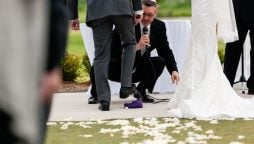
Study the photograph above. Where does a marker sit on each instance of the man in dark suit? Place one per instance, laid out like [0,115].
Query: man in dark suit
[101,16]
[245,22]
[146,69]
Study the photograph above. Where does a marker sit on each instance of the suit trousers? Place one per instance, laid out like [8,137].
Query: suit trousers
[153,67]
[102,34]
[234,50]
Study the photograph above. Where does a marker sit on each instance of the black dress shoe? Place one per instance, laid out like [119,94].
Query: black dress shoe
[147,99]
[126,91]
[104,106]
[92,100]
[251,92]
[137,95]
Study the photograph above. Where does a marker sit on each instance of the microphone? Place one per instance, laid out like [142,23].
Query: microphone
[145,30]
[145,33]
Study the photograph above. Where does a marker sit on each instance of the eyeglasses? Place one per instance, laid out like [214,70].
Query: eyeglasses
[149,15]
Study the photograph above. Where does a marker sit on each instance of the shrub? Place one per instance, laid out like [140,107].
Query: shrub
[70,67]
[86,63]
[221,51]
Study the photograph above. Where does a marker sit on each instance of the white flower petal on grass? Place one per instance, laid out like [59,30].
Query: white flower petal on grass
[213,122]
[69,123]
[235,142]
[161,126]
[64,127]
[214,137]
[83,125]
[86,136]
[204,119]
[191,124]
[198,128]
[176,131]
[248,119]
[173,120]
[90,122]
[99,121]
[51,123]
[138,120]
[125,136]
[124,143]
[111,134]
[118,122]
[181,128]
[209,132]
[192,140]
[103,130]
[151,122]
[227,118]
[155,142]
[180,142]
[240,137]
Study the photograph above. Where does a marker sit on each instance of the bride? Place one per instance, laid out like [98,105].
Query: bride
[204,91]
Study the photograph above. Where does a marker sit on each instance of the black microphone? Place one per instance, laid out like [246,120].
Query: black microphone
[145,30]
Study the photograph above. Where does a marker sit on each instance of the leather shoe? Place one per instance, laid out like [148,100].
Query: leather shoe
[92,100]
[251,92]
[147,99]
[126,91]
[104,106]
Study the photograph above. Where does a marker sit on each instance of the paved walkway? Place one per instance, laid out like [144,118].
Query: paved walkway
[74,107]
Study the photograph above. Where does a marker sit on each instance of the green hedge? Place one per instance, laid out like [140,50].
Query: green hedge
[74,66]
[70,67]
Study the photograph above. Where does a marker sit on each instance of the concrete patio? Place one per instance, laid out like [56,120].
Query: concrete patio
[74,107]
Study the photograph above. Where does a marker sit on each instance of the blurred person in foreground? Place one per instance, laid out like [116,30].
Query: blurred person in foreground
[57,39]
[102,15]
[23,27]
[150,35]
[26,84]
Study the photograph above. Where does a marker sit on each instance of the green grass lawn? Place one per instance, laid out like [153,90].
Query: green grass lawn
[75,43]
[140,130]
[174,8]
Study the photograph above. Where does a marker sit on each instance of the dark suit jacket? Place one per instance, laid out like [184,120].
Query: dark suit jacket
[244,10]
[102,8]
[158,41]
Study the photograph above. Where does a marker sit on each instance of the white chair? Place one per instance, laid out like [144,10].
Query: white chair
[178,32]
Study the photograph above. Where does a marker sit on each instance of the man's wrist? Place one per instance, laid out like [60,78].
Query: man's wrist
[139,12]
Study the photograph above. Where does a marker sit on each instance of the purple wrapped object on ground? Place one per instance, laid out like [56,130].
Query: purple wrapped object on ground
[134,104]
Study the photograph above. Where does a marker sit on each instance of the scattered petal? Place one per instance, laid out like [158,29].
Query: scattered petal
[51,123]
[235,142]
[86,136]
[240,137]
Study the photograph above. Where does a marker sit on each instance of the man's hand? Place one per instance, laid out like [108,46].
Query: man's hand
[137,18]
[50,84]
[143,42]
[175,77]
[74,24]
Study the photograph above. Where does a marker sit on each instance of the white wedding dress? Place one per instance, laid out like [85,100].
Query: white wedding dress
[204,91]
